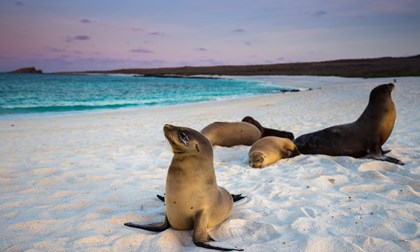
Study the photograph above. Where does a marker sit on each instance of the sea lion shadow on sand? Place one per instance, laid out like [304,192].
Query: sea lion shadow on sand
[193,200]
[361,138]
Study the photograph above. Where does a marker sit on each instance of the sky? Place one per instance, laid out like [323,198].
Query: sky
[78,35]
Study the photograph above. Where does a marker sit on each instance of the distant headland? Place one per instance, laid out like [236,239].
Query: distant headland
[27,70]
[365,68]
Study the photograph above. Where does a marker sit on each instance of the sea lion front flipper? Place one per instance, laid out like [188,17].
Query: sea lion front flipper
[155,227]
[387,159]
[393,160]
[377,154]
[237,197]
[201,236]
[162,198]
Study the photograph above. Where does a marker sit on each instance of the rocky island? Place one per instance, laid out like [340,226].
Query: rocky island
[27,70]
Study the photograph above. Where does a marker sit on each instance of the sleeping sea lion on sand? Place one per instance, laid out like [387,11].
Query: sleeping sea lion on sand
[230,134]
[269,150]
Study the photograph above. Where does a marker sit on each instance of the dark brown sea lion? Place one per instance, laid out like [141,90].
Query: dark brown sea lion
[362,138]
[267,131]
[193,200]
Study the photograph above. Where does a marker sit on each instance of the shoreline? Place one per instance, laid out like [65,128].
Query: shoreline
[293,83]
[362,68]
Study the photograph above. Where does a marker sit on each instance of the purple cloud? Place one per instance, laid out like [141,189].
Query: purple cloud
[78,37]
[155,34]
[239,30]
[19,3]
[86,21]
[320,13]
[201,49]
[248,43]
[137,29]
[141,50]
[56,50]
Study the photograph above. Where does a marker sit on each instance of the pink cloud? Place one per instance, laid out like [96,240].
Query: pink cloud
[141,50]
[78,37]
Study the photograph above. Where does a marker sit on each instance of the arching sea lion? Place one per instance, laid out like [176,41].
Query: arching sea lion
[269,150]
[230,134]
[267,131]
[364,137]
[193,199]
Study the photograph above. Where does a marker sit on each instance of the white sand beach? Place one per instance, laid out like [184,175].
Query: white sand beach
[69,183]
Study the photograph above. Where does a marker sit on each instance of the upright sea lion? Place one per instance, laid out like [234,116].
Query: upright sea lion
[193,199]
[229,134]
[364,137]
[267,131]
[269,150]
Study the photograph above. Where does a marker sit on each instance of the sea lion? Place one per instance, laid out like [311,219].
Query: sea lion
[229,134]
[269,150]
[363,137]
[267,131]
[193,200]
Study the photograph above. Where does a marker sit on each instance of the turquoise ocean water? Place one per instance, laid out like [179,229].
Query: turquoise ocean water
[29,94]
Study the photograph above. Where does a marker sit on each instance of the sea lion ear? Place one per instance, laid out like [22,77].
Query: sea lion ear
[197,148]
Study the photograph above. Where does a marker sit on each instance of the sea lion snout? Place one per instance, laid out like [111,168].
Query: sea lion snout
[168,128]
[256,160]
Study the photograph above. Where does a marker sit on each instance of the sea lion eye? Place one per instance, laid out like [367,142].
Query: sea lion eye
[183,137]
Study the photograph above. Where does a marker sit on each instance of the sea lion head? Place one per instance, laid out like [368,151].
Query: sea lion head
[383,90]
[186,140]
[249,119]
[256,159]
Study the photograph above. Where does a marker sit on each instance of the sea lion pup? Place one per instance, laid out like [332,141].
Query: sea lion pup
[269,150]
[267,131]
[229,134]
[192,198]
[364,137]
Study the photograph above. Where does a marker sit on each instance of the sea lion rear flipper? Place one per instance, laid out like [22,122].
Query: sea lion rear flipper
[155,227]
[201,236]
